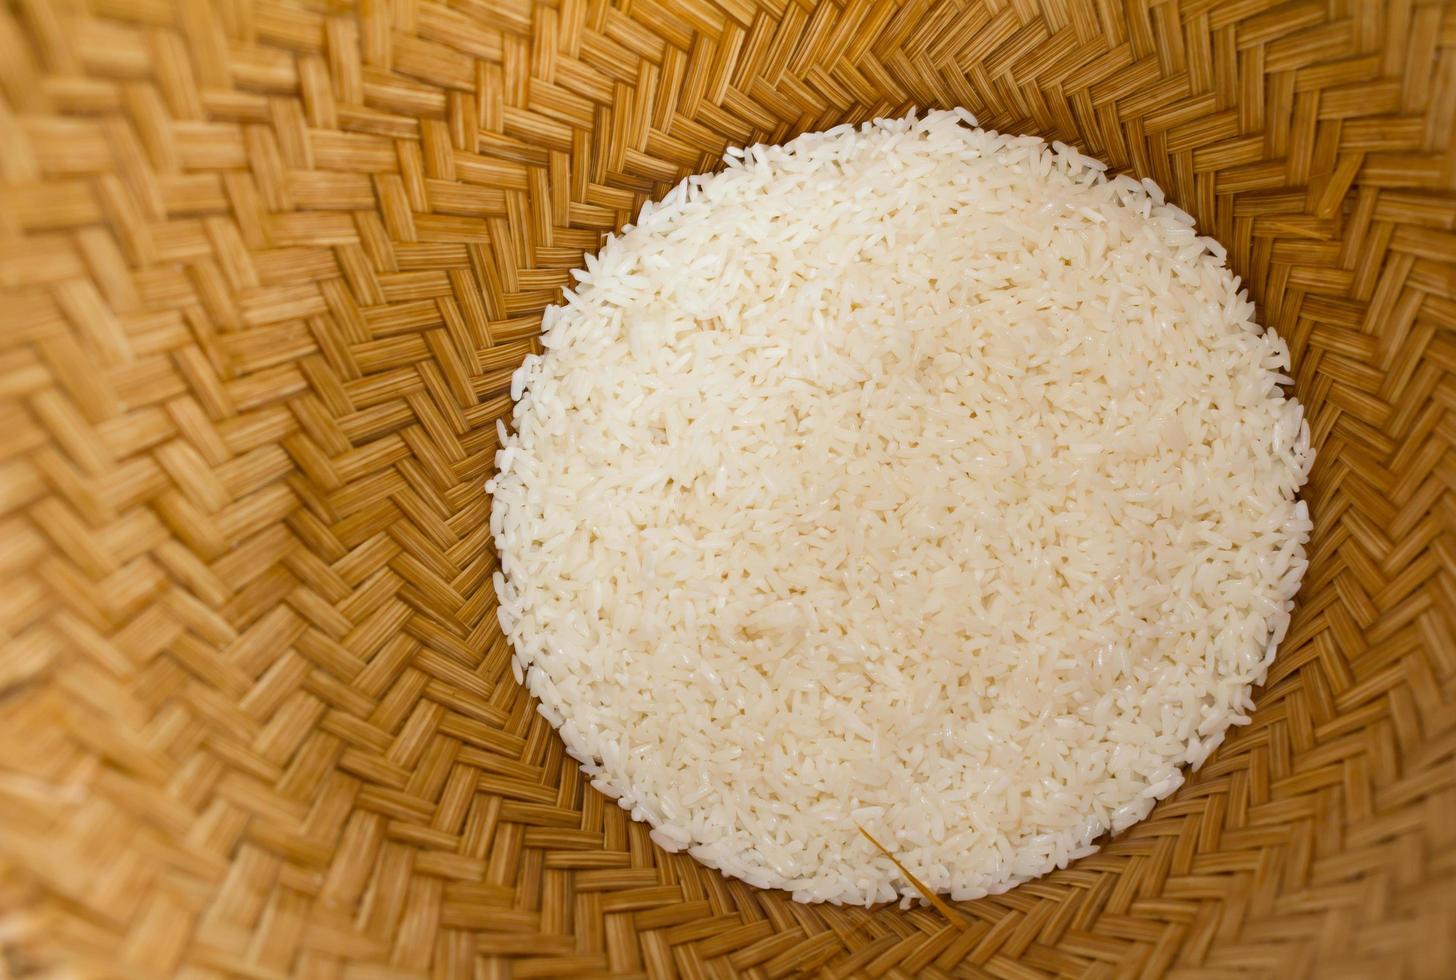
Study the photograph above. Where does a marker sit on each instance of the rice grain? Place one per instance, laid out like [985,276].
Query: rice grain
[911,476]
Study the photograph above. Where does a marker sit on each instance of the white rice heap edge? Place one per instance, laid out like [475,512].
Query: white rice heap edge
[910,476]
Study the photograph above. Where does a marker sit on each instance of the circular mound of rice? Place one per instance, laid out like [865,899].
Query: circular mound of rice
[911,477]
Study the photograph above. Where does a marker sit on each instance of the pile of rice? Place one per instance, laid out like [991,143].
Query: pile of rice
[914,477]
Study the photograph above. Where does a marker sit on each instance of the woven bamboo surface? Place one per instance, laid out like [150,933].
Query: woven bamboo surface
[266,270]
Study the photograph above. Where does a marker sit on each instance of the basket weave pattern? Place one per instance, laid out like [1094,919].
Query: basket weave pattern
[266,270]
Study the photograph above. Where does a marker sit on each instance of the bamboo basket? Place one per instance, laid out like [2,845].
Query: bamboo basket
[266,270]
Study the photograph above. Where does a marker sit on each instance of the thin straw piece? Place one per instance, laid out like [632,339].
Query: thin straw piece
[940,904]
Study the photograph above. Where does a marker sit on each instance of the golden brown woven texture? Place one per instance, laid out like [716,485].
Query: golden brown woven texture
[267,269]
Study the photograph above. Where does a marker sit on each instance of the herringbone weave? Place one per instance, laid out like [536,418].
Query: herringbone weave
[267,267]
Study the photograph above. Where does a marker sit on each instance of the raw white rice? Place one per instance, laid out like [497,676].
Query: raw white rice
[912,476]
